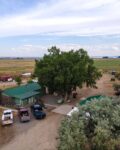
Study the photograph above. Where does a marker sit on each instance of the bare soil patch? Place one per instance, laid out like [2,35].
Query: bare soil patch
[104,87]
[36,134]
[41,136]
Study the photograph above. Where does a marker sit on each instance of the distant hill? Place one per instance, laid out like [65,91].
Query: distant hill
[105,57]
[12,58]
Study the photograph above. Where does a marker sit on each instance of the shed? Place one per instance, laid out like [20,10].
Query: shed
[24,94]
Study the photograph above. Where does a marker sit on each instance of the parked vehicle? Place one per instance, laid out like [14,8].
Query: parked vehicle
[24,114]
[7,117]
[37,111]
[6,78]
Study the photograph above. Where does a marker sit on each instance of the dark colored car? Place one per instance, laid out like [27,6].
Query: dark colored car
[37,111]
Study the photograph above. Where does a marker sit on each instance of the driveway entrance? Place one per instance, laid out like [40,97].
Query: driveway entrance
[63,109]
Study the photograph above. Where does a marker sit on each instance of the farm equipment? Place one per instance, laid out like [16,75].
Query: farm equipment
[7,117]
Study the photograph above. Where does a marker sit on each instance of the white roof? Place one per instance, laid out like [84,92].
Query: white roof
[35,80]
[75,109]
[8,111]
[26,74]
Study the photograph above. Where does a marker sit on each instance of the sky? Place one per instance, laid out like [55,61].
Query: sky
[29,27]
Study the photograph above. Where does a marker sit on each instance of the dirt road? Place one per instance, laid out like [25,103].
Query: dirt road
[41,136]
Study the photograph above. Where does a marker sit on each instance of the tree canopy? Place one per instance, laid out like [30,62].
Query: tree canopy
[18,80]
[64,71]
[100,130]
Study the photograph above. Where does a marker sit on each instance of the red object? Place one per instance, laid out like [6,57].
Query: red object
[4,78]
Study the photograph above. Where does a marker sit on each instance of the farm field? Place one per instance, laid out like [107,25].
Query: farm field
[15,67]
[107,64]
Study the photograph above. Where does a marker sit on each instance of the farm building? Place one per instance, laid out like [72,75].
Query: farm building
[24,94]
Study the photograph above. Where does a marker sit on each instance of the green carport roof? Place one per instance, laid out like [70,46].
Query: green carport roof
[26,95]
[91,98]
[22,90]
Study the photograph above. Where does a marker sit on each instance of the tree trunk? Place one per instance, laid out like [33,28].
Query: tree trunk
[0,96]
[67,96]
[74,92]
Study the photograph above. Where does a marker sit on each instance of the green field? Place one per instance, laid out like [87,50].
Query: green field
[107,64]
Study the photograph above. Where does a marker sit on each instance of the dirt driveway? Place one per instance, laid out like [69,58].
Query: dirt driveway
[37,134]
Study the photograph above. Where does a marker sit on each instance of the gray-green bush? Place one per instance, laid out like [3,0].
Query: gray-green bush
[99,131]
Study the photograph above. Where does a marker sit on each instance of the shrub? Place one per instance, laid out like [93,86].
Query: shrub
[98,131]
[117,75]
[18,80]
[116,87]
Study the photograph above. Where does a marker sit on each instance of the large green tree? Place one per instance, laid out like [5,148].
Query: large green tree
[64,71]
[100,130]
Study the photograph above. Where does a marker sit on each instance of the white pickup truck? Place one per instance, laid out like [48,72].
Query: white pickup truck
[7,117]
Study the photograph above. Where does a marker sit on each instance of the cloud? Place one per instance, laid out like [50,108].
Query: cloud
[65,17]
[70,24]
[28,50]
[93,50]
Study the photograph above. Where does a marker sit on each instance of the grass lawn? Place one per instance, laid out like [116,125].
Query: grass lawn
[107,64]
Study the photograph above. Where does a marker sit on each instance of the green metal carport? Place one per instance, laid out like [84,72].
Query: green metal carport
[91,98]
[24,94]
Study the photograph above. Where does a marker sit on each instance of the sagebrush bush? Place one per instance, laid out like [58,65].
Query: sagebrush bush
[99,131]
